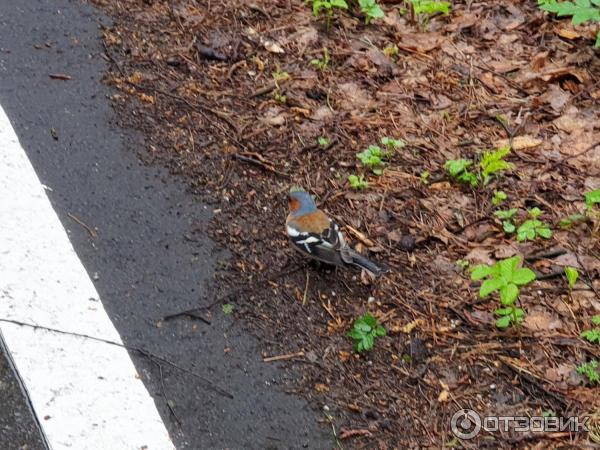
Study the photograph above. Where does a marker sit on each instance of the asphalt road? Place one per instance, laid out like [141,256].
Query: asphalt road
[142,260]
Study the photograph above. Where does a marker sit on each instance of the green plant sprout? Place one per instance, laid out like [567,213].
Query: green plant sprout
[499,197]
[533,227]
[505,277]
[580,10]
[371,10]
[322,63]
[279,98]
[567,222]
[372,158]
[572,276]
[493,163]
[391,50]
[328,6]
[593,197]
[364,332]
[462,263]
[280,75]
[392,144]
[430,7]
[424,177]
[323,141]
[459,170]
[592,335]
[227,308]
[506,216]
[358,182]
[590,370]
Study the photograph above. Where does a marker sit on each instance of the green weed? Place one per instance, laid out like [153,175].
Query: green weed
[573,219]
[430,7]
[364,332]
[506,216]
[580,10]
[590,370]
[499,197]
[533,227]
[358,182]
[505,277]
[372,158]
[322,63]
[323,141]
[572,275]
[328,6]
[491,164]
[592,198]
[391,143]
[459,170]
[371,10]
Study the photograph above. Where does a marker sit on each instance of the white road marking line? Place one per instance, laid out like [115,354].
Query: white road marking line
[86,394]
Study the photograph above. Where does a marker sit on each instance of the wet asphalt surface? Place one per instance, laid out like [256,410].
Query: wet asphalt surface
[150,256]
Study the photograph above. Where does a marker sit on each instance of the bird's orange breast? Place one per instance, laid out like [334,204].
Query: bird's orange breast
[314,222]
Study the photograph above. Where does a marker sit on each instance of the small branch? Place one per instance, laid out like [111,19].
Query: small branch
[151,356]
[162,384]
[576,155]
[283,357]
[80,222]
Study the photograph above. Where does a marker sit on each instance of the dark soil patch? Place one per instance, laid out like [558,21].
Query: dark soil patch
[206,81]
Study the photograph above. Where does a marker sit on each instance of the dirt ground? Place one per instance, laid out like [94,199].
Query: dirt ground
[228,97]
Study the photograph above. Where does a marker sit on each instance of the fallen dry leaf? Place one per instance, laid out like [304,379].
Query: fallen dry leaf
[520,142]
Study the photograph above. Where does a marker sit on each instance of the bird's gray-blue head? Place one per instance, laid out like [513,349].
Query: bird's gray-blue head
[300,202]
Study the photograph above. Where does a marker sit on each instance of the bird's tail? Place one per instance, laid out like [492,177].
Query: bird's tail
[365,263]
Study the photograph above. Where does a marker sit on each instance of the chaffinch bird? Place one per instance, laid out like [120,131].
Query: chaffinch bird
[316,235]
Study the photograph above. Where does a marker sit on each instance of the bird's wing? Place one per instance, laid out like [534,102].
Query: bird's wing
[324,246]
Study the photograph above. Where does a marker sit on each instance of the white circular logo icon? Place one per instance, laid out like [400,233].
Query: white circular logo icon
[466,424]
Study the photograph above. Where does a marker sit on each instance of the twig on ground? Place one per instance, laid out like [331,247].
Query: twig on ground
[142,351]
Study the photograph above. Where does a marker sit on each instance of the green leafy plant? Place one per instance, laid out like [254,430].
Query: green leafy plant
[459,170]
[572,276]
[592,335]
[280,75]
[391,50]
[590,370]
[391,143]
[372,158]
[279,97]
[371,10]
[328,6]
[505,277]
[499,197]
[430,7]
[323,141]
[506,216]
[573,219]
[492,163]
[227,308]
[322,63]
[592,198]
[533,227]
[580,10]
[425,177]
[364,332]
[358,182]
